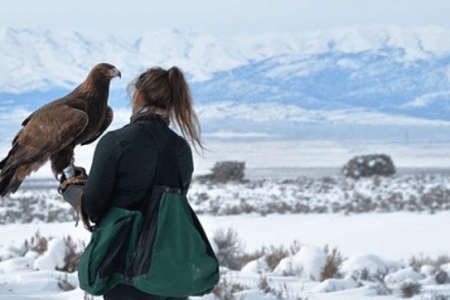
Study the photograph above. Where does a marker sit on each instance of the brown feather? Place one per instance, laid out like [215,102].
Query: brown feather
[55,129]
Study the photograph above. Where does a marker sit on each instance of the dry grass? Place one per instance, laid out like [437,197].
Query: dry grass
[73,254]
[226,291]
[334,261]
[229,247]
[273,255]
[410,289]
[417,262]
[37,243]
[65,285]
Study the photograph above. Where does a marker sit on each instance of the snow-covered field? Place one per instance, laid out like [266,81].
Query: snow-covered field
[377,225]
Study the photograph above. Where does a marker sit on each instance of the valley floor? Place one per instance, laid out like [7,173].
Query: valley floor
[393,238]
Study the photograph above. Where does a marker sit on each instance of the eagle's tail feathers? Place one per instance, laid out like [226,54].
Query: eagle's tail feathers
[9,183]
[3,163]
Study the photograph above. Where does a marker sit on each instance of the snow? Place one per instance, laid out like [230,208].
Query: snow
[53,258]
[256,266]
[392,236]
[293,154]
[380,243]
[374,265]
[333,285]
[41,59]
[307,263]
[400,276]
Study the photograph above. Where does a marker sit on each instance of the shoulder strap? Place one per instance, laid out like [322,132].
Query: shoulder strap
[167,179]
[170,175]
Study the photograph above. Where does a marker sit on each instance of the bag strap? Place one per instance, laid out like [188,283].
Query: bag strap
[165,153]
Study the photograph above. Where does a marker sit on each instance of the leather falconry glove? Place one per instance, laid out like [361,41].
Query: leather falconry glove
[72,189]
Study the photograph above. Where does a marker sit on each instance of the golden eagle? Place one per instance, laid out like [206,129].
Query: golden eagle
[53,130]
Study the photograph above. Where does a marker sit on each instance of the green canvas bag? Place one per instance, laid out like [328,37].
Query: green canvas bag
[161,249]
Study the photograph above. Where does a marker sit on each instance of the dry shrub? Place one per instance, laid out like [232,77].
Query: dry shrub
[410,289]
[369,165]
[241,260]
[264,286]
[225,291]
[229,247]
[87,296]
[441,277]
[417,262]
[273,255]
[37,244]
[73,255]
[334,261]
[228,170]
[225,171]
[65,285]
[440,297]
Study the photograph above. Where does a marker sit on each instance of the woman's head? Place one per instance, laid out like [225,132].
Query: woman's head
[166,93]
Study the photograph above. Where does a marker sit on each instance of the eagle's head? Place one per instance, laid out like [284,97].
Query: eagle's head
[107,71]
[100,77]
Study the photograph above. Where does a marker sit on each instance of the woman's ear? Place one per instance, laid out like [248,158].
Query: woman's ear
[137,99]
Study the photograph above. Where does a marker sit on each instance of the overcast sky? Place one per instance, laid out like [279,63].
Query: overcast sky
[223,16]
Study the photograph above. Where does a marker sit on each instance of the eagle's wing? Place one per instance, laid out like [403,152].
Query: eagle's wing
[106,122]
[49,130]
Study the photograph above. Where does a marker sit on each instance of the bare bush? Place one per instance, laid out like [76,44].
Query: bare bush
[273,255]
[65,285]
[441,277]
[225,171]
[369,165]
[226,291]
[37,243]
[439,297]
[334,261]
[417,262]
[264,286]
[73,255]
[229,247]
[230,252]
[410,289]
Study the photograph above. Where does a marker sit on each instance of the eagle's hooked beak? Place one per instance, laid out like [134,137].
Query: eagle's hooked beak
[116,73]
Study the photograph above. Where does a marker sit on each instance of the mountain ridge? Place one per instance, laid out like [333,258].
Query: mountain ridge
[43,59]
[373,76]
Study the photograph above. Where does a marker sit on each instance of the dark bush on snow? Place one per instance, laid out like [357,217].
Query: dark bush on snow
[410,289]
[369,165]
[225,171]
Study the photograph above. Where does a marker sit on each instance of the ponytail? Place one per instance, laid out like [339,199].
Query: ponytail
[182,112]
[167,94]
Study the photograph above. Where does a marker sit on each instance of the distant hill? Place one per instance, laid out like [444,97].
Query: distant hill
[375,76]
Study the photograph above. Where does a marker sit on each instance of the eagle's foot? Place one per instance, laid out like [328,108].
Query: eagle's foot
[80,178]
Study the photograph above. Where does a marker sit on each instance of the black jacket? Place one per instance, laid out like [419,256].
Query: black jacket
[124,165]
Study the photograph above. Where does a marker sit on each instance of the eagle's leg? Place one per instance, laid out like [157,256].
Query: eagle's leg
[61,160]
[79,178]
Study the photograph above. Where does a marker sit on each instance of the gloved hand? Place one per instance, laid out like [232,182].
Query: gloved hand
[73,194]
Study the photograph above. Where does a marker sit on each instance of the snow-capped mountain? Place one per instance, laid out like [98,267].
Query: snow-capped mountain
[375,75]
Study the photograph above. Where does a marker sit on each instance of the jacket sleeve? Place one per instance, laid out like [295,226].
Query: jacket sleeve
[102,176]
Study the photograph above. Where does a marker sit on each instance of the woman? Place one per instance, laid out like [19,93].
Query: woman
[126,161]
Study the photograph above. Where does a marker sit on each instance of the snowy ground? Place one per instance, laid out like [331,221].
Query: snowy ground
[377,225]
[378,242]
